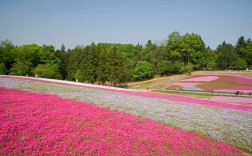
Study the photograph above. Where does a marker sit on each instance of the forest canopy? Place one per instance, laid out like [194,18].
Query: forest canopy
[115,64]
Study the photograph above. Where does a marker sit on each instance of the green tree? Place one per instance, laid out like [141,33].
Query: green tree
[188,68]
[62,55]
[150,45]
[241,43]
[48,71]
[103,65]
[118,72]
[91,64]
[49,64]
[161,56]
[28,53]
[26,59]
[240,64]
[139,53]
[174,44]
[63,48]
[247,53]
[177,67]
[165,67]
[143,70]
[21,68]
[192,49]
[78,75]
[3,69]
[209,60]
[248,41]
[74,62]
[226,56]
[149,56]
[47,55]
[7,56]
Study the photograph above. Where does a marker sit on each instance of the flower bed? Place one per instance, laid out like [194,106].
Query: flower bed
[234,89]
[201,78]
[238,100]
[218,83]
[186,84]
[189,86]
[42,124]
[176,98]
[241,91]
[243,79]
[228,125]
[247,88]
[186,100]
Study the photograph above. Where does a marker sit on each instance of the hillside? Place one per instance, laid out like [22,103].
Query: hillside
[219,121]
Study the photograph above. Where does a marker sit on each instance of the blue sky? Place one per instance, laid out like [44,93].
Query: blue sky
[80,22]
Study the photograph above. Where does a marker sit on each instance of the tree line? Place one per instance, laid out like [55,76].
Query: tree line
[115,64]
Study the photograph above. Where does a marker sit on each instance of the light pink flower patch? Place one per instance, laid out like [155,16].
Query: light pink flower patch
[232,99]
[202,79]
[41,124]
[187,84]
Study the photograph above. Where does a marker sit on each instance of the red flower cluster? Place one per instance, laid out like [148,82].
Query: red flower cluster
[38,124]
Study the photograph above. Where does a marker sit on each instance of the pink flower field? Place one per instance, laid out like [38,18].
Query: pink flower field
[42,124]
[179,98]
[243,79]
[238,100]
[234,90]
[243,89]
[187,84]
[169,97]
[202,79]
[218,83]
